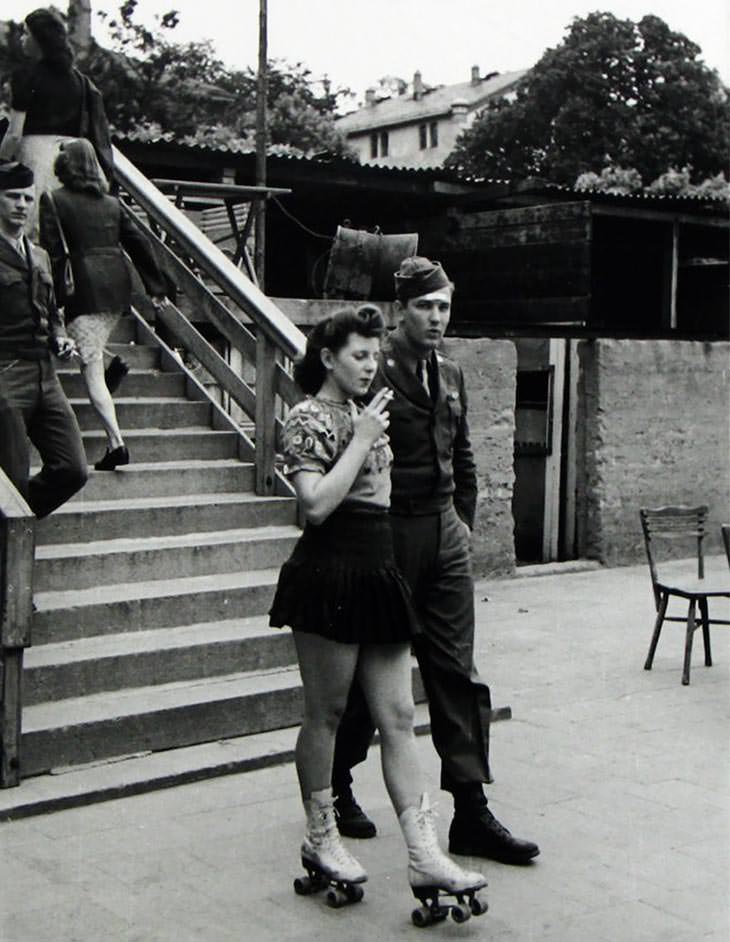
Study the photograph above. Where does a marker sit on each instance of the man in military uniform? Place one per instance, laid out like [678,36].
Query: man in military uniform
[33,407]
[433,505]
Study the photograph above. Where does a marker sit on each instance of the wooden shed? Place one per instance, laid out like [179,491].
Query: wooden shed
[627,266]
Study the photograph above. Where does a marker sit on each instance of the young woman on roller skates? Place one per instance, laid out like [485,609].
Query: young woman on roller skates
[349,608]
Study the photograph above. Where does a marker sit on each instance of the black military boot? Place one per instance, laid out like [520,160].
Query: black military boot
[477,833]
[351,819]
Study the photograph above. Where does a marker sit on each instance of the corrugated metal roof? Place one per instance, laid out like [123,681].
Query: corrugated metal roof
[437,101]
[535,187]
[642,197]
[281,152]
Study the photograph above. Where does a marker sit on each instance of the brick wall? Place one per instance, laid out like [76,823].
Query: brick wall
[652,430]
[490,369]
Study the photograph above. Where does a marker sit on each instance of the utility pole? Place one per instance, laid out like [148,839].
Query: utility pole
[261,90]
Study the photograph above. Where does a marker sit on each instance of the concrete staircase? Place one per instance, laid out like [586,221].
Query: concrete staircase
[152,585]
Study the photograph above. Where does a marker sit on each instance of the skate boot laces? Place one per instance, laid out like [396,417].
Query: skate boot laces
[429,865]
[324,847]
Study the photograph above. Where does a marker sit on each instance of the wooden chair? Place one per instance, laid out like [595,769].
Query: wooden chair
[673,523]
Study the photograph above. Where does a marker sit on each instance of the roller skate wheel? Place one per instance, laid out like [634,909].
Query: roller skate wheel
[355,892]
[335,897]
[460,913]
[421,917]
[303,886]
[478,906]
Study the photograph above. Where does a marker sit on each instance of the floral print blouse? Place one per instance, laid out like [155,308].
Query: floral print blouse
[316,432]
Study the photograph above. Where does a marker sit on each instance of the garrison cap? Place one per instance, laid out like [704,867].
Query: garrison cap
[417,276]
[14,176]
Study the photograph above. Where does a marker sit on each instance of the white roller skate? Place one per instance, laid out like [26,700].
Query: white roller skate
[329,864]
[432,874]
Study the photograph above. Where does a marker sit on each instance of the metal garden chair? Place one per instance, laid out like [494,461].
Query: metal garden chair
[681,523]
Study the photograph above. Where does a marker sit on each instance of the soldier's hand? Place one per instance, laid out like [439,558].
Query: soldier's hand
[466,528]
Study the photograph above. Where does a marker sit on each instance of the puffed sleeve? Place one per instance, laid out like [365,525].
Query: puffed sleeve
[309,441]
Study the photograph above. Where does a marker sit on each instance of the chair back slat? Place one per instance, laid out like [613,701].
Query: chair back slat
[673,523]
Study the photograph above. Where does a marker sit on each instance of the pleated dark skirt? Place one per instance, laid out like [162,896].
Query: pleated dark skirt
[341,582]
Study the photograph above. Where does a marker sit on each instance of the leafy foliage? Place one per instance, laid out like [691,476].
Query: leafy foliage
[616,180]
[673,182]
[613,92]
[154,86]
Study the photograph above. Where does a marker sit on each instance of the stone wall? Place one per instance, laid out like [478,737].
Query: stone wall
[652,430]
[490,370]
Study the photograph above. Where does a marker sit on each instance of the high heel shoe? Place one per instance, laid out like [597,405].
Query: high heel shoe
[112,458]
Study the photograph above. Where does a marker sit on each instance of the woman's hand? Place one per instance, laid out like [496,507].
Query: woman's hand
[370,424]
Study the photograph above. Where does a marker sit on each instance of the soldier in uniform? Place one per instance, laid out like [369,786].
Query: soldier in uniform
[33,407]
[433,503]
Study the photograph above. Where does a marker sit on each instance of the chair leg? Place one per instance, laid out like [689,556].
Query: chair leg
[661,611]
[688,642]
[705,615]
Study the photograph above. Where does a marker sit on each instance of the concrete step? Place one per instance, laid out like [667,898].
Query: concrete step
[163,444]
[125,330]
[85,666]
[164,716]
[162,516]
[137,356]
[137,383]
[162,478]
[159,603]
[150,413]
[61,566]
[141,773]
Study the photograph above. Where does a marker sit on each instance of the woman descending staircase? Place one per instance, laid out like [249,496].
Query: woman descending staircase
[151,588]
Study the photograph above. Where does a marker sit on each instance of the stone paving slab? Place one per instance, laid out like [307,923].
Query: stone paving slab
[620,774]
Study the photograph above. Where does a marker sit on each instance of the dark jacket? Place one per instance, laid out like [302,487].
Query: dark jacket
[29,317]
[62,102]
[433,461]
[96,229]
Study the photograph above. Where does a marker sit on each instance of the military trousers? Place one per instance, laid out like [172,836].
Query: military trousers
[433,553]
[34,409]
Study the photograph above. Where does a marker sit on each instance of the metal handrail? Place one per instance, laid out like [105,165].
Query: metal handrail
[17,545]
[276,336]
[217,266]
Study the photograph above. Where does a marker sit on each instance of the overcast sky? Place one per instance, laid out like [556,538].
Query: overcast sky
[357,41]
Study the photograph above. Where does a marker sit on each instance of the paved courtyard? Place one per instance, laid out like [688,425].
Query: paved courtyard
[621,775]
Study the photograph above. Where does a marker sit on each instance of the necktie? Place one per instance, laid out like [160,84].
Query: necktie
[422,375]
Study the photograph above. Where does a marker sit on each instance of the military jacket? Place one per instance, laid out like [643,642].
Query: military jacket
[433,461]
[29,316]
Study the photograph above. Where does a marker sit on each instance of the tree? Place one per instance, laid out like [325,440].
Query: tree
[154,86]
[613,92]
[185,89]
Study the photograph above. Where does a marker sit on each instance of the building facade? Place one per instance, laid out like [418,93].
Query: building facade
[419,126]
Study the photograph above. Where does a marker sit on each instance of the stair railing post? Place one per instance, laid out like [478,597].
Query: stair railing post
[266,361]
[17,544]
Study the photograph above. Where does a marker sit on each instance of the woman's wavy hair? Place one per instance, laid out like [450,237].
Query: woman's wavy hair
[78,168]
[49,31]
[332,334]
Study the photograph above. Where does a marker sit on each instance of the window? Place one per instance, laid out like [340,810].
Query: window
[383,143]
[433,130]
[373,146]
[422,142]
